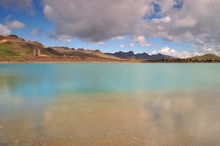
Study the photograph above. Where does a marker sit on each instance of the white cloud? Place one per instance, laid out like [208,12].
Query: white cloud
[16,25]
[187,36]
[48,12]
[64,38]
[36,32]
[122,46]
[119,38]
[60,38]
[154,52]
[131,45]
[185,54]
[165,50]
[18,5]
[96,20]
[211,49]
[202,48]
[4,30]
[162,20]
[52,35]
[172,52]
[187,22]
[98,43]
[141,41]
[199,42]
[197,54]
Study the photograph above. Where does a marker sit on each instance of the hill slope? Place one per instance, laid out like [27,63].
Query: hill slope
[206,56]
[80,52]
[15,46]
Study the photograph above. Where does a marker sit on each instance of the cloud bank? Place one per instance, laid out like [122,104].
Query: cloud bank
[141,41]
[172,20]
[18,5]
[184,20]
[60,38]
[96,20]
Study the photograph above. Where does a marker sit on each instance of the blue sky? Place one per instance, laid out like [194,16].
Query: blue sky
[172,27]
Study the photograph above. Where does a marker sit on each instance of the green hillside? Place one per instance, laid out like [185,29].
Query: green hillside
[6,50]
[16,46]
[206,56]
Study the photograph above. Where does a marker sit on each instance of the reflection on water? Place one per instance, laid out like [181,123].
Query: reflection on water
[60,105]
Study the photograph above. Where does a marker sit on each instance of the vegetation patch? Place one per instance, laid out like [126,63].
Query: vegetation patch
[206,56]
[7,51]
[12,58]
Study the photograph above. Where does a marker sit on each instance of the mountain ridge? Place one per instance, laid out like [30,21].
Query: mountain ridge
[139,56]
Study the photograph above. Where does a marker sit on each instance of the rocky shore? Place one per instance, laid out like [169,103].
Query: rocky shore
[178,60]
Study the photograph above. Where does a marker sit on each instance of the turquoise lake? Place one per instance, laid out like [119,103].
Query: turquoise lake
[110,104]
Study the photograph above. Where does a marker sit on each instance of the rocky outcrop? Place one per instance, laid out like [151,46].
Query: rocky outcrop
[16,37]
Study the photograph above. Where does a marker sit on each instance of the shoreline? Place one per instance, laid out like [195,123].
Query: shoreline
[87,60]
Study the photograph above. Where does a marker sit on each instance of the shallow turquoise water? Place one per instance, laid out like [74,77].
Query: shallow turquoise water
[51,80]
[156,104]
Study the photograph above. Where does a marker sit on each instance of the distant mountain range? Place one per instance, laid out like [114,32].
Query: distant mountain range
[143,56]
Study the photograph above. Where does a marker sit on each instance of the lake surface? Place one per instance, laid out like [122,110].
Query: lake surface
[110,104]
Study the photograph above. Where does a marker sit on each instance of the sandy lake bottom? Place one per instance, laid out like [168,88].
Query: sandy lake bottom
[109,108]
